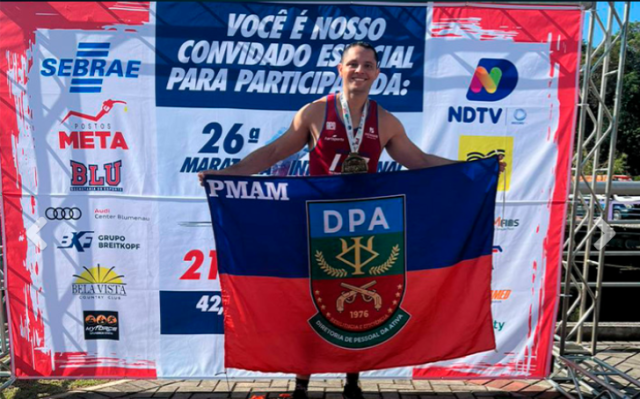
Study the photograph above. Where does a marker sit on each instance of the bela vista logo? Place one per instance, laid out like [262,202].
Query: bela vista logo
[99,282]
[91,65]
[493,80]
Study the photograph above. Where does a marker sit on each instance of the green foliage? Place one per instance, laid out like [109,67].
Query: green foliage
[32,389]
[628,140]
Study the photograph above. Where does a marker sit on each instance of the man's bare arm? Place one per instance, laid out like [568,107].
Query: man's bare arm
[404,151]
[292,141]
[407,154]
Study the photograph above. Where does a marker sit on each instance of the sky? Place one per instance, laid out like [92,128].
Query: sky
[603,10]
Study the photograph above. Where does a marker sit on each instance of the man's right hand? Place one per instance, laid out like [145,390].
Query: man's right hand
[204,173]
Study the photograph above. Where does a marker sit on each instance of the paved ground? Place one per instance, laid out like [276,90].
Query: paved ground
[623,355]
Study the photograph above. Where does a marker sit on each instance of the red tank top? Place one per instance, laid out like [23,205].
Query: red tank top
[332,147]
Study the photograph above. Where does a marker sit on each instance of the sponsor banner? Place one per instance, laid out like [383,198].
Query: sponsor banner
[113,115]
[281,57]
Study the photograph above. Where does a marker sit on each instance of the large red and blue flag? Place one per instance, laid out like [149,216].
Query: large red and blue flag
[355,272]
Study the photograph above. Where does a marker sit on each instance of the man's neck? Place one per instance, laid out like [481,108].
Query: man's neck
[356,103]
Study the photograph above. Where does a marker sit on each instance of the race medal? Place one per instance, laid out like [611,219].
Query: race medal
[354,164]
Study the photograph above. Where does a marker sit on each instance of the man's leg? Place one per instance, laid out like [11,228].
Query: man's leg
[302,384]
[351,388]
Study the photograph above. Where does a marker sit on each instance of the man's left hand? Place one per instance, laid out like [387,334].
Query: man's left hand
[503,165]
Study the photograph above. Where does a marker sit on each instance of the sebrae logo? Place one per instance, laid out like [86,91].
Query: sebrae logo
[90,67]
[91,131]
[357,269]
[472,148]
[99,282]
[493,80]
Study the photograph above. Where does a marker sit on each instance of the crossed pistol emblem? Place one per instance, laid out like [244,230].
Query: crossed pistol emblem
[350,296]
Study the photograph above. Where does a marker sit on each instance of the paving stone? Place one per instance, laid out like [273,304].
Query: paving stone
[209,383]
[515,386]
[333,396]
[316,389]
[168,388]
[404,381]
[191,388]
[409,396]
[422,384]
[498,383]
[368,387]
[469,388]
[478,382]
[390,386]
[280,383]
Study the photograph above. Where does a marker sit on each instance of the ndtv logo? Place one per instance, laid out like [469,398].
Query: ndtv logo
[493,80]
[89,67]
[500,295]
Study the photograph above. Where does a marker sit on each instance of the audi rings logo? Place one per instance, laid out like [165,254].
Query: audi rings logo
[63,213]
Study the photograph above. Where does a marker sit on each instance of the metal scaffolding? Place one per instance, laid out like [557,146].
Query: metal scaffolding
[589,226]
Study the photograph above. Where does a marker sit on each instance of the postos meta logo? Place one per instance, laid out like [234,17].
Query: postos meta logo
[91,65]
[493,80]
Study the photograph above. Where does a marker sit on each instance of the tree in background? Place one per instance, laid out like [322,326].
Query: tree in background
[628,144]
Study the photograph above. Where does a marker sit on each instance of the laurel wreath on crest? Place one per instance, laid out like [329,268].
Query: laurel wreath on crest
[386,265]
[327,268]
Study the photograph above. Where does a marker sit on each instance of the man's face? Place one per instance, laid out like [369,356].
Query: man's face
[358,70]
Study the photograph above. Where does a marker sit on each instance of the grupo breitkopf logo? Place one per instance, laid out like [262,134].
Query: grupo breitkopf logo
[493,80]
[90,67]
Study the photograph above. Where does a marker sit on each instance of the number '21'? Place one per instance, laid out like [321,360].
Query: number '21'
[197,257]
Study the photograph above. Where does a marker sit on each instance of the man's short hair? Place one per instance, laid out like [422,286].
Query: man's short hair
[366,45]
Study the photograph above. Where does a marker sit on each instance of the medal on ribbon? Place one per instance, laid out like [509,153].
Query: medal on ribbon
[355,163]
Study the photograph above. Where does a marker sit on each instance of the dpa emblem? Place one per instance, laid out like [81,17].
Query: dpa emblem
[357,269]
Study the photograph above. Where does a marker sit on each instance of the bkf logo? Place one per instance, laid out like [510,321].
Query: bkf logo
[493,80]
[80,240]
[479,147]
[357,270]
[91,179]
[89,67]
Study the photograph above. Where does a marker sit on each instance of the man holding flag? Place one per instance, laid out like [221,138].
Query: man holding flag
[336,146]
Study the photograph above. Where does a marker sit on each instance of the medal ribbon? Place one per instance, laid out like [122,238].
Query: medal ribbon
[355,139]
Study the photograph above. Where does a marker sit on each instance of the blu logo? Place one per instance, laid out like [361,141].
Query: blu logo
[493,80]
